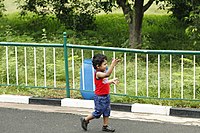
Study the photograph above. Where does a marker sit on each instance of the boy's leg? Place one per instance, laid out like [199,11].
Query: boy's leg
[106,127]
[89,117]
[105,121]
[106,115]
[85,121]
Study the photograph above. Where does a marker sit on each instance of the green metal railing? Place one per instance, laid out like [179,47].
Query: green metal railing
[158,74]
[10,49]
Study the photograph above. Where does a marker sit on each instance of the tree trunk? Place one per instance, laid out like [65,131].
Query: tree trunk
[134,19]
[135,37]
[132,33]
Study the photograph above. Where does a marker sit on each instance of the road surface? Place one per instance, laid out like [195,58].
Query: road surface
[22,118]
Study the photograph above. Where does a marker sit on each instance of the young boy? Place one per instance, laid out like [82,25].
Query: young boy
[102,97]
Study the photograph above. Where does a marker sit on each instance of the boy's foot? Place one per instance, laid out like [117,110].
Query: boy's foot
[84,123]
[108,129]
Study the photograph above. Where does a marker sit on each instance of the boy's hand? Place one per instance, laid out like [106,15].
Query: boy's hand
[115,81]
[115,61]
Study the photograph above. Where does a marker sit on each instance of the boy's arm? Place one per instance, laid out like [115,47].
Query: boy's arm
[110,69]
[113,81]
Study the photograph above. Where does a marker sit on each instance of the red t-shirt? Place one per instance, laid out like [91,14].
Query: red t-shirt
[102,86]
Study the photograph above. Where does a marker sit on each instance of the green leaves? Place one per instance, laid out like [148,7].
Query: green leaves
[2,8]
[75,14]
[193,30]
[188,11]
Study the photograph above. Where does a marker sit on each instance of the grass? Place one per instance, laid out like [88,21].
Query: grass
[159,32]
[33,92]
[188,80]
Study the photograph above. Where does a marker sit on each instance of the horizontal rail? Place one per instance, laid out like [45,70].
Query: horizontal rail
[30,44]
[29,86]
[180,52]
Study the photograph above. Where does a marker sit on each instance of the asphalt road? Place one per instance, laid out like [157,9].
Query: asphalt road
[32,121]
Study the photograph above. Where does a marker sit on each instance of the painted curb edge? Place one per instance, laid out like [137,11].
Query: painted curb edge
[185,112]
[136,107]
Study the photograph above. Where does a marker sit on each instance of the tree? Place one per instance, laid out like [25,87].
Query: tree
[133,11]
[193,30]
[75,14]
[79,14]
[181,8]
[187,11]
[2,7]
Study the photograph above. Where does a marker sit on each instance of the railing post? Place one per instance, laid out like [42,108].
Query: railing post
[66,65]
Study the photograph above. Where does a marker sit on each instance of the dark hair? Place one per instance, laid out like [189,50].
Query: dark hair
[98,59]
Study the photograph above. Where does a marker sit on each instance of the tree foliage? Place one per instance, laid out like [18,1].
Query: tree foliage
[2,8]
[182,8]
[193,29]
[75,14]
[79,14]
[188,11]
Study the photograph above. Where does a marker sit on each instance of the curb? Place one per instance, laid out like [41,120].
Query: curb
[14,99]
[152,109]
[121,107]
[43,101]
[135,108]
[185,112]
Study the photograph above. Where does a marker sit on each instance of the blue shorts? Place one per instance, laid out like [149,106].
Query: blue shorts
[102,106]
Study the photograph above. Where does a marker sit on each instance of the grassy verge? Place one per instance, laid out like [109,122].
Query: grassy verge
[159,32]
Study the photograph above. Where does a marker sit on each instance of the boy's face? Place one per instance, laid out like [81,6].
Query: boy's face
[103,66]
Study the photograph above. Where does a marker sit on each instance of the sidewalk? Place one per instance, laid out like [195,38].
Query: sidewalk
[88,104]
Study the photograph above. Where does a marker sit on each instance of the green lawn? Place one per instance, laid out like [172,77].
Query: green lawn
[159,32]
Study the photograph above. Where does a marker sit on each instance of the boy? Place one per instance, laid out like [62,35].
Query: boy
[102,97]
